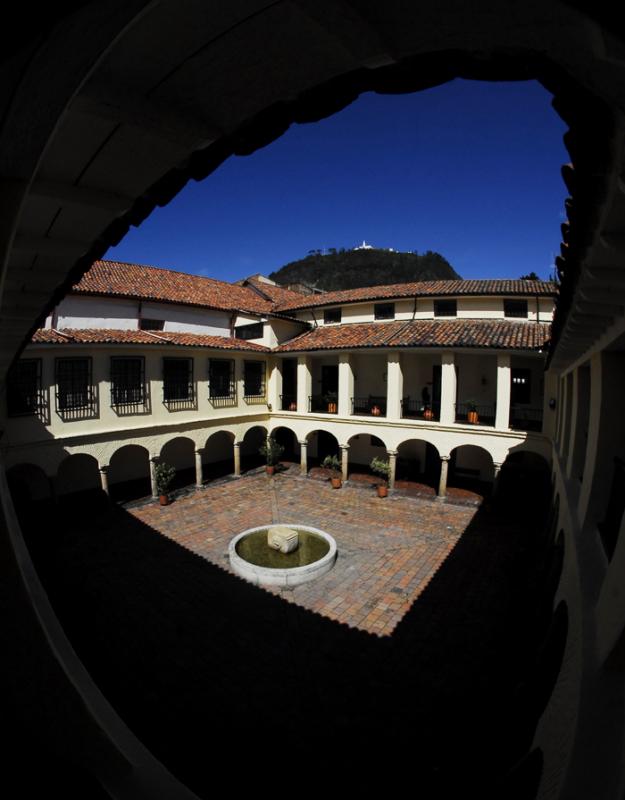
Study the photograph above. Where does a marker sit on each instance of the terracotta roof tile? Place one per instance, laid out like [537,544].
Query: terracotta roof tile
[277,294]
[152,283]
[486,333]
[424,289]
[162,338]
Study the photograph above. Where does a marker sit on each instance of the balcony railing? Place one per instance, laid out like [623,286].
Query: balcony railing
[483,414]
[321,403]
[288,402]
[526,419]
[370,406]
[416,409]
[223,400]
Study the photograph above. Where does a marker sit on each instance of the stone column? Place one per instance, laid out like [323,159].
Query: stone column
[304,457]
[237,459]
[448,389]
[274,366]
[346,385]
[502,415]
[394,386]
[198,468]
[392,462]
[495,488]
[304,383]
[153,462]
[104,479]
[344,461]
[442,484]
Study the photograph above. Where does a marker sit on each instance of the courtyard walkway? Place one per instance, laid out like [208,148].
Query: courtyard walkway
[389,549]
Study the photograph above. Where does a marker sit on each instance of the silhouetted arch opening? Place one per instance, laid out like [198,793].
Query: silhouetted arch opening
[129,473]
[287,438]
[31,492]
[471,473]
[180,454]
[321,444]
[218,456]
[78,481]
[418,468]
[250,446]
[363,447]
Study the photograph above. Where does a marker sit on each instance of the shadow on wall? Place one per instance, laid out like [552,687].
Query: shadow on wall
[211,672]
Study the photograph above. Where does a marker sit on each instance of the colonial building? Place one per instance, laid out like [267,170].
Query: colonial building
[138,364]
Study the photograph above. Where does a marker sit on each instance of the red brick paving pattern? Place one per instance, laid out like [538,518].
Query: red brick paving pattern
[389,549]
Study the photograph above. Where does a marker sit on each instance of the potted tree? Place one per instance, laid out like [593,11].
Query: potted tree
[472,416]
[164,476]
[382,468]
[271,450]
[331,400]
[428,413]
[334,465]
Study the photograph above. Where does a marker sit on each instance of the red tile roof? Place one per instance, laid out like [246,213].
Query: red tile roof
[162,338]
[424,289]
[484,333]
[277,294]
[152,283]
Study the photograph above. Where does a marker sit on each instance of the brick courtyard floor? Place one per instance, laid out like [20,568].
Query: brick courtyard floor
[402,664]
[389,549]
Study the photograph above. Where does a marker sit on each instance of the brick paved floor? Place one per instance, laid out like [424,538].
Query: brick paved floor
[389,549]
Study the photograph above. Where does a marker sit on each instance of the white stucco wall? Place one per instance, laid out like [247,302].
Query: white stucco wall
[97,312]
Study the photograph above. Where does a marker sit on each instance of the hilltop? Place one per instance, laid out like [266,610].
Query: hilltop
[351,269]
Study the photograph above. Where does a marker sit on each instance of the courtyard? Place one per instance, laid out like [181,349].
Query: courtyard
[425,629]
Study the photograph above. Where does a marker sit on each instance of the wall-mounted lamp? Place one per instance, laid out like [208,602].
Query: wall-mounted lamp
[552,403]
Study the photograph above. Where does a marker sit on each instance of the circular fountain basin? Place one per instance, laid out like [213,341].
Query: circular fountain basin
[253,559]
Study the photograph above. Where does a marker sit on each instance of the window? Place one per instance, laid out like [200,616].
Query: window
[24,393]
[331,315]
[253,331]
[75,396]
[128,384]
[445,308]
[151,324]
[178,383]
[254,381]
[521,388]
[515,308]
[221,382]
[384,311]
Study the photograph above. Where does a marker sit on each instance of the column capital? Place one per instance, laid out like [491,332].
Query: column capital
[155,459]
[303,443]
[200,450]
[391,453]
[344,446]
[104,468]
[236,444]
[445,458]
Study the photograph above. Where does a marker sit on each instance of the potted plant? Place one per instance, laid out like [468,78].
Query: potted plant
[271,450]
[332,463]
[472,416]
[428,413]
[382,468]
[331,400]
[293,406]
[376,411]
[164,476]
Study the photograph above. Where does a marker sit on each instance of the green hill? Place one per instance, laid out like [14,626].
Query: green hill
[350,269]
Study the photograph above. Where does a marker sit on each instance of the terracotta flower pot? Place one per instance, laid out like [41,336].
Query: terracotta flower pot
[472,417]
[375,411]
[382,489]
[292,406]
[331,408]
[270,469]
[163,499]
[336,482]
[428,414]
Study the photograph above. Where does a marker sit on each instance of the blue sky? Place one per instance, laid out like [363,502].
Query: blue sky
[469,169]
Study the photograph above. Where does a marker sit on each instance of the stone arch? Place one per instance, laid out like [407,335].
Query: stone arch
[250,443]
[218,455]
[471,469]
[418,466]
[180,454]
[78,475]
[129,473]
[321,443]
[288,439]
[363,447]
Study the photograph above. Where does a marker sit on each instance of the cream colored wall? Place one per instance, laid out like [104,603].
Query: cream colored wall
[361,451]
[417,368]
